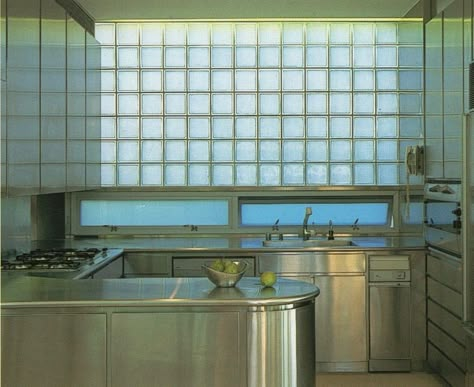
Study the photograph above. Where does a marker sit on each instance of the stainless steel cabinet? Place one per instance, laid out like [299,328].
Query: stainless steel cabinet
[147,264]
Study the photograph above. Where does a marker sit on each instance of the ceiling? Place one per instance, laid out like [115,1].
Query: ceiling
[102,10]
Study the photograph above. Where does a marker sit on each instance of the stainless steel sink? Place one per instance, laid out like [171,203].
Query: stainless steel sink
[300,243]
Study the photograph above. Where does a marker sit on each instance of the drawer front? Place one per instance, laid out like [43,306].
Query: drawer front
[446,321]
[449,347]
[313,263]
[147,264]
[445,367]
[445,296]
[446,271]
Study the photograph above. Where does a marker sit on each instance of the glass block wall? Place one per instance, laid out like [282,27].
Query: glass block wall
[259,103]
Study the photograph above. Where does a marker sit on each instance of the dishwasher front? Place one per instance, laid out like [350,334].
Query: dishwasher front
[389,313]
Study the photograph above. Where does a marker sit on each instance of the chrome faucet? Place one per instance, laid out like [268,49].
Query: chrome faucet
[306,233]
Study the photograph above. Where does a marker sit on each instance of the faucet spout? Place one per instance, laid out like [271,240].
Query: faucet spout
[306,233]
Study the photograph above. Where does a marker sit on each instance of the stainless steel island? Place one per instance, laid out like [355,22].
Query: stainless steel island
[157,332]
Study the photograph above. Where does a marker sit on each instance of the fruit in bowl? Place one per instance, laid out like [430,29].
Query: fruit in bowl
[225,273]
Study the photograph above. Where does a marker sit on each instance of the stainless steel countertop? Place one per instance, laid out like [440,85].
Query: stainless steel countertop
[32,291]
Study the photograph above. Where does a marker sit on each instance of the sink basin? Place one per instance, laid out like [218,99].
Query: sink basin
[300,243]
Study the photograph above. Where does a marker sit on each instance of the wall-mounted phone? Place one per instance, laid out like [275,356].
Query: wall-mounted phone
[415,160]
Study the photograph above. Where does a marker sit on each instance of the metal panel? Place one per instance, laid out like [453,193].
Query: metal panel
[445,367]
[446,270]
[451,349]
[54,350]
[446,321]
[147,264]
[445,297]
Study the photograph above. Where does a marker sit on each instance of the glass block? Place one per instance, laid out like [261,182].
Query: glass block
[222,175]
[127,33]
[222,33]
[269,56]
[293,103]
[363,33]
[269,103]
[293,33]
[245,34]
[293,56]
[316,103]
[107,175]
[293,79]
[411,127]
[317,126]
[246,104]
[340,150]
[152,127]
[198,33]
[387,174]
[340,79]
[387,103]
[199,127]
[151,80]
[270,174]
[245,151]
[127,80]
[411,80]
[387,150]
[293,127]
[175,150]
[222,103]
[363,103]
[339,33]
[340,174]
[363,150]
[175,34]
[175,128]
[364,174]
[246,174]
[317,151]
[386,127]
[316,56]
[152,175]
[152,104]
[127,151]
[268,80]
[269,33]
[363,56]
[316,33]
[198,80]
[386,56]
[105,33]
[386,79]
[410,56]
[386,33]
[107,81]
[221,80]
[151,56]
[222,57]
[199,151]
[269,150]
[363,127]
[198,57]
[151,33]
[317,174]
[316,80]
[152,151]
[293,174]
[222,127]
[269,127]
[245,127]
[411,103]
[245,80]
[107,127]
[199,103]
[339,56]
[222,150]
[128,175]
[127,56]
[410,33]
[175,175]
[364,80]
[175,103]
[246,56]
[199,175]
[127,103]
[175,56]
[128,127]
[340,103]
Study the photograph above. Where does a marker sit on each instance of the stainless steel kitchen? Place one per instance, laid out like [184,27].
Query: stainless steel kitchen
[249,194]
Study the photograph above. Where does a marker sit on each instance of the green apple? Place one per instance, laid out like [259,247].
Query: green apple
[231,268]
[268,278]
[218,265]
